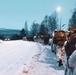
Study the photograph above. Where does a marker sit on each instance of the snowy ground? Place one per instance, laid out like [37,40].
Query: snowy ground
[28,58]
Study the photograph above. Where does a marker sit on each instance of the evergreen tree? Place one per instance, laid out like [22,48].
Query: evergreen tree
[53,22]
[26,28]
[35,29]
[72,21]
[22,33]
[45,23]
[43,30]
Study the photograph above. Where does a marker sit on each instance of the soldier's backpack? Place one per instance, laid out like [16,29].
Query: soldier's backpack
[60,37]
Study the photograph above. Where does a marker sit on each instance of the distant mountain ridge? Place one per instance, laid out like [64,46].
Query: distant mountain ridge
[8,32]
[7,29]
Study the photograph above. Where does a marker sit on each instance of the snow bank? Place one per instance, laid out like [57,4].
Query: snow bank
[44,63]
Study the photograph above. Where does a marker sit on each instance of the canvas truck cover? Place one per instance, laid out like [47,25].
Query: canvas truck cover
[60,37]
[70,46]
[72,29]
[72,32]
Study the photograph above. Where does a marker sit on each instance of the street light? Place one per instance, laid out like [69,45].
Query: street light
[60,10]
[35,28]
[35,22]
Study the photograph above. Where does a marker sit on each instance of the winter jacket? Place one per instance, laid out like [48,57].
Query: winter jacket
[72,62]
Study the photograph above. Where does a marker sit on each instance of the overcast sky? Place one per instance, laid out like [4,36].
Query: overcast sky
[14,13]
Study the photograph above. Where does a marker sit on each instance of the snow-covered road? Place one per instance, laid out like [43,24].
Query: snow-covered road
[28,58]
[13,54]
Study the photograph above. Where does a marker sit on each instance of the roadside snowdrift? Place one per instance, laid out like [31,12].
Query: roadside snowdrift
[44,63]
